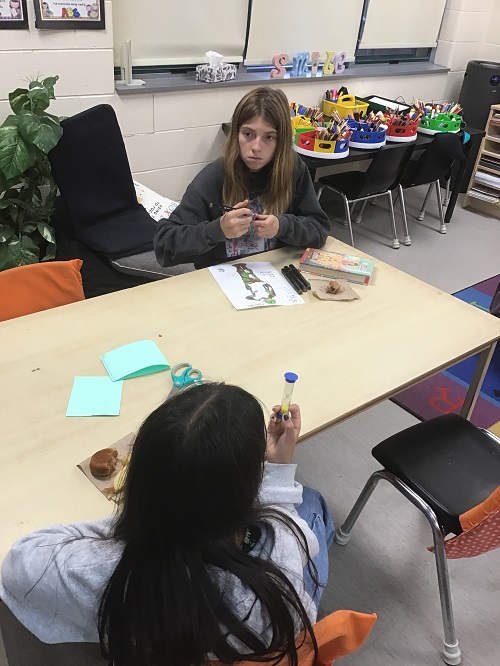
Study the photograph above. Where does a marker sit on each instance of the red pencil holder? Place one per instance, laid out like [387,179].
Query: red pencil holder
[401,133]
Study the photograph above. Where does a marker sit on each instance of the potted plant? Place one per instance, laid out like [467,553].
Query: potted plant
[27,189]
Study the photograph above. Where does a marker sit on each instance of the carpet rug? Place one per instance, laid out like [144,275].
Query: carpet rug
[445,392]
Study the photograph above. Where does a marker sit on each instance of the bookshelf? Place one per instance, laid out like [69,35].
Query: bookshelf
[483,192]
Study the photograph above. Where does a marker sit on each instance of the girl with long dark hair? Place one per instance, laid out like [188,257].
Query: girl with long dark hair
[258,197]
[207,558]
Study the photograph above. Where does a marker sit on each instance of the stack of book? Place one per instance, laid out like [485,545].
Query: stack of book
[338,266]
[484,193]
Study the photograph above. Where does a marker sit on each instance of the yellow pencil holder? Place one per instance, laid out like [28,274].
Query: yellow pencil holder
[346,105]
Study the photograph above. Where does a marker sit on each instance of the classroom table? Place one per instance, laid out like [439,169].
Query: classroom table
[421,142]
[348,355]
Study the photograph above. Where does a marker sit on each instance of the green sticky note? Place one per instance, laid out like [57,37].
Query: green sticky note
[95,396]
[134,360]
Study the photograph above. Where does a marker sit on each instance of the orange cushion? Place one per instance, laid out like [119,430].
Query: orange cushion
[37,287]
[337,635]
[478,513]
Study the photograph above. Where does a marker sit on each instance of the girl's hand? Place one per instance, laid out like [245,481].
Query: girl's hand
[235,223]
[282,435]
[266,226]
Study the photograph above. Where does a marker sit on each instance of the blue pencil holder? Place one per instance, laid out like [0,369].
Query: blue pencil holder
[364,137]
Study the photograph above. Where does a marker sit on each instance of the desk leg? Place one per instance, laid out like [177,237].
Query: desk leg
[477,380]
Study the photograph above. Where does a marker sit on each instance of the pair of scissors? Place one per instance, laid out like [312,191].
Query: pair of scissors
[183,374]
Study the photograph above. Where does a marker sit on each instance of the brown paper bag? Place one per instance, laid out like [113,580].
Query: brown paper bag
[105,486]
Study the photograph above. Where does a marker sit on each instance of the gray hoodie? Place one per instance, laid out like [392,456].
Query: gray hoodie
[52,579]
[193,233]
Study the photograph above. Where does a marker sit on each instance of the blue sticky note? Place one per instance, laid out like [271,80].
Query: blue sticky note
[95,396]
[134,360]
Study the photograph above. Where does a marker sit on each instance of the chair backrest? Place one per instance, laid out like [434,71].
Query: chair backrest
[386,169]
[37,287]
[480,539]
[337,635]
[91,167]
[436,161]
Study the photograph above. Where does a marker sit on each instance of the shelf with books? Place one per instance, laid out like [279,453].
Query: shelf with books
[484,188]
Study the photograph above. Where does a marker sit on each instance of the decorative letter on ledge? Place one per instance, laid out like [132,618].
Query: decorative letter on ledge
[279,60]
[329,66]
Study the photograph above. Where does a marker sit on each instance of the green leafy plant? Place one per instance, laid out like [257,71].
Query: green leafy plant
[27,189]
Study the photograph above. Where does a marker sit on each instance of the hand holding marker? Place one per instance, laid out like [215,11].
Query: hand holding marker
[290,379]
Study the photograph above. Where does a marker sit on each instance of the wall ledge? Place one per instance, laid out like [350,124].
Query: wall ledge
[165,83]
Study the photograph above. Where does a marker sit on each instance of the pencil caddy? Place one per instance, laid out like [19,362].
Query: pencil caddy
[443,122]
[363,136]
[309,144]
[401,133]
[300,124]
[211,74]
[346,105]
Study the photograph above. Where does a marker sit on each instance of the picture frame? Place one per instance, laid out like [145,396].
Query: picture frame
[13,15]
[69,14]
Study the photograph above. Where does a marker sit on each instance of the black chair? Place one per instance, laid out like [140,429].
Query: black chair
[381,178]
[444,466]
[432,166]
[98,209]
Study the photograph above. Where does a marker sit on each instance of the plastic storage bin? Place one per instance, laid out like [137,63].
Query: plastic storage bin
[362,136]
[443,122]
[346,105]
[309,144]
[401,133]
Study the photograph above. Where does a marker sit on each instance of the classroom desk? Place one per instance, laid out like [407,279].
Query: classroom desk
[422,141]
[348,355]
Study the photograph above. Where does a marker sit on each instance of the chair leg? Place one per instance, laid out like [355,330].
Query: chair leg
[451,651]
[343,533]
[442,228]
[395,239]
[407,239]
[348,218]
[421,215]
[320,191]
[447,193]
[361,211]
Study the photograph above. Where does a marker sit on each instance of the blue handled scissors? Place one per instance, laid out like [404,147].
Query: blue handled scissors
[183,374]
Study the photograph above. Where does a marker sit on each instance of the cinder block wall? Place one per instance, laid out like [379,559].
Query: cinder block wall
[171,136]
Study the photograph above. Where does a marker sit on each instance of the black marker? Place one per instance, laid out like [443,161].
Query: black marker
[298,275]
[289,277]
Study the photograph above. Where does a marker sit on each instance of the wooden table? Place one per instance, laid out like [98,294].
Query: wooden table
[348,355]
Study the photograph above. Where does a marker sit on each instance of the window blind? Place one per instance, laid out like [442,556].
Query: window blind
[397,25]
[281,26]
[166,32]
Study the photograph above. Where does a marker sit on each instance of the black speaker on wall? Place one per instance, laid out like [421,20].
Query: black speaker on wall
[480,89]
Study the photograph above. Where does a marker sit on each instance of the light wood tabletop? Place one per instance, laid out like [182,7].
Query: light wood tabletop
[348,355]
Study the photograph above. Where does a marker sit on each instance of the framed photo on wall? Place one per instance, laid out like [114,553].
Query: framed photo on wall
[69,14]
[13,15]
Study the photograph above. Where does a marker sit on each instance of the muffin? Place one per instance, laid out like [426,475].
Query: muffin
[103,463]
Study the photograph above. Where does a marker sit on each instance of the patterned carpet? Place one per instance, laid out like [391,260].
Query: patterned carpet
[445,392]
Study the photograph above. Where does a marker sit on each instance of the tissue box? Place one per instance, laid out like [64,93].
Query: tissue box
[211,74]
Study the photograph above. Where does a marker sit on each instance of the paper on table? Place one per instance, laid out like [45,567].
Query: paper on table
[95,396]
[134,360]
[319,290]
[254,285]
[105,486]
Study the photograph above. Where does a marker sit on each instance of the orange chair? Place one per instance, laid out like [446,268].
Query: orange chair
[337,635]
[37,287]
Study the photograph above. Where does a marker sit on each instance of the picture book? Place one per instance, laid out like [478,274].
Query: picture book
[158,206]
[336,265]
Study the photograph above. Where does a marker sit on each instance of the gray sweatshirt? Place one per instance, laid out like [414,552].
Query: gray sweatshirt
[193,233]
[52,582]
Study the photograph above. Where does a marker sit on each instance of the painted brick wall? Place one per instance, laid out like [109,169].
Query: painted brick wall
[169,136]
[469,32]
